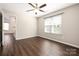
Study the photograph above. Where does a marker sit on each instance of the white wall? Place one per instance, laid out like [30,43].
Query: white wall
[25,26]
[70,26]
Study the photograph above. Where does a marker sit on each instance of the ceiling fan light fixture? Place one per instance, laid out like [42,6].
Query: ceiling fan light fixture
[36,10]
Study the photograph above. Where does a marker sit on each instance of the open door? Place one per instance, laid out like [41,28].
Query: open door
[0,33]
[0,30]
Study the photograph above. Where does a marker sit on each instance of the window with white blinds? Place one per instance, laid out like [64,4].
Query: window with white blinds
[53,24]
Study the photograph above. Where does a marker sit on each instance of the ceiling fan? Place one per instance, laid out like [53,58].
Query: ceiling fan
[36,7]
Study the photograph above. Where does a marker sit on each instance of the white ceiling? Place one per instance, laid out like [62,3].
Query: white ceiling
[22,7]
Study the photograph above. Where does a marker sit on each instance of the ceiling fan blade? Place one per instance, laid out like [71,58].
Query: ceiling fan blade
[31,5]
[41,10]
[36,5]
[42,6]
[29,10]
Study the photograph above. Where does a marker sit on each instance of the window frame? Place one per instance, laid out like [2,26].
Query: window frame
[52,17]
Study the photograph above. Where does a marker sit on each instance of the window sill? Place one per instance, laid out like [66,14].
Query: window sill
[54,33]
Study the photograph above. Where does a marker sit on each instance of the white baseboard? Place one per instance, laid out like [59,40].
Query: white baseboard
[24,38]
[52,40]
[61,42]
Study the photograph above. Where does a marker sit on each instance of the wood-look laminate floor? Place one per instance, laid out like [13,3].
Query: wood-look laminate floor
[38,46]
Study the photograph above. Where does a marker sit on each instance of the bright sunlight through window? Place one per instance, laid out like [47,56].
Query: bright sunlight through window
[53,24]
[5,26]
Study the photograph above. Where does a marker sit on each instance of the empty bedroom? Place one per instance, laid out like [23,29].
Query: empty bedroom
[39,29]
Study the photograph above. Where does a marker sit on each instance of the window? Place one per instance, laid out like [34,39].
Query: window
[5,26]
[53,24]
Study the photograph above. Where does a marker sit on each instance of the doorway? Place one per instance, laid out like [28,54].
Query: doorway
[9,33]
